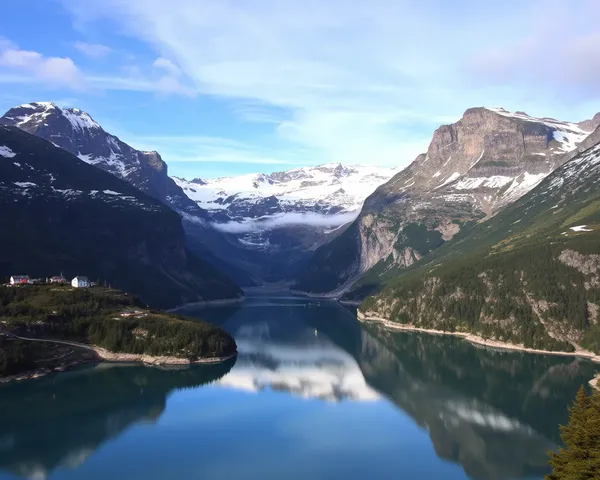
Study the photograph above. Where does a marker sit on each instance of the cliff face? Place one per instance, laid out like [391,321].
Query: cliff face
[61,215]
[527,276]
[472,169]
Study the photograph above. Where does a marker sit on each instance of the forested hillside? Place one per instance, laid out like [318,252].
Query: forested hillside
[530,275]
[60,214]
[95,317]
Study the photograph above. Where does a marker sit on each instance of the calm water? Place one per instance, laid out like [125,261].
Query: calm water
[312,394]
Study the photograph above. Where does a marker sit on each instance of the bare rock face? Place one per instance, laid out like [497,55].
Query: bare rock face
[472,168]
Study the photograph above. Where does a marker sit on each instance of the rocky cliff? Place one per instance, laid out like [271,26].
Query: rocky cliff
[528,276]
[472,169]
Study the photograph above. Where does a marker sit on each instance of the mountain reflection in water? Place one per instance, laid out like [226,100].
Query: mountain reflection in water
[493,413]
[59,421]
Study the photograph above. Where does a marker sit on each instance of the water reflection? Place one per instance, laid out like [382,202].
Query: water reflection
[490,413]
[295,357]
[61,420]
[494,412]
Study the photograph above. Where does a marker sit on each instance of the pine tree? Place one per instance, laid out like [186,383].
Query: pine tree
[580,458]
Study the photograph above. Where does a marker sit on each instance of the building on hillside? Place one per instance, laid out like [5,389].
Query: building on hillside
[80,282]
[19,279]
[58,279]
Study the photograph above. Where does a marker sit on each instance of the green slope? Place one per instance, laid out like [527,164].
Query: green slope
[530,275]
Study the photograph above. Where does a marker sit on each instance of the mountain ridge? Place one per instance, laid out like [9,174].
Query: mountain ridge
[62,214]
[472,169]
[528,276]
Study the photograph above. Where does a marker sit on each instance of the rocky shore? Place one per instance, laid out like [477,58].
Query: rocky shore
[476,339]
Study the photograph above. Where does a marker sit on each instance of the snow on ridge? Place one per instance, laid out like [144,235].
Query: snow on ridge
[79,119]
[35,105]
[6,152]
[306,186]
[450,179]
[495,181]
[581,228]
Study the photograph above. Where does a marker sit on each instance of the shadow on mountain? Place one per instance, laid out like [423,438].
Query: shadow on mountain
[494,412]
[60,421]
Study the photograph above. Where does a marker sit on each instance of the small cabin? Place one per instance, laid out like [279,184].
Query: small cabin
[80,282]
[19,279]
[58,279]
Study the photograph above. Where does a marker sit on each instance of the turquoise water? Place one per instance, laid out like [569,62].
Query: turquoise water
[312,394]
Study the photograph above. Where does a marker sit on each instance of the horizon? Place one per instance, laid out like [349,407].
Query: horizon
[261,87]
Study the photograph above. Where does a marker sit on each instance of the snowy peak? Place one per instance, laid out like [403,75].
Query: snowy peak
[328,189]
[39,114]
[491,157]
[77,132]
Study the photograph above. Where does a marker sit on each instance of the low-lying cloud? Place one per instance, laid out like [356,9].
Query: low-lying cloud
[287,219]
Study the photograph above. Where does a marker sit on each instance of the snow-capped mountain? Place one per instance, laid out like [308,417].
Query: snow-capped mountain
[78,133]
[328,189]
[61,214]
[296,208]
[472,169]
[284,353]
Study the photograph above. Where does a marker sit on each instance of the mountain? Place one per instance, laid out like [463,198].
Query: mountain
[60,214]
[78,133]
[528,276]
[284,216]
[472,169]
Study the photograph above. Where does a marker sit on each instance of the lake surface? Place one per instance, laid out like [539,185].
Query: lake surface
[312,394]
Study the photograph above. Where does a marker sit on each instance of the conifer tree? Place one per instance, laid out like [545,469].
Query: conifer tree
[580,457]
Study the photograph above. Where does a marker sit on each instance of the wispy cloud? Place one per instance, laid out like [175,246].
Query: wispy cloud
[94,50]
[370,81]
[205,149]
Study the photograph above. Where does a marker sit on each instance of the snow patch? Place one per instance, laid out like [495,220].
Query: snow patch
[581,228]
[25,184]
[7,152]
[450,179]
[79,120]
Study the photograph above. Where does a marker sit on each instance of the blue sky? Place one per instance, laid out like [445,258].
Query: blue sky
[221,87]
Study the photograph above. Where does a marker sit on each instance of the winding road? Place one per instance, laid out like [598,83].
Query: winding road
[63,342]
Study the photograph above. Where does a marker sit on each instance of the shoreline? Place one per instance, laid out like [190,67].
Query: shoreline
[595,382]
[477,340]
[149,360]
[107,357]
[207,303]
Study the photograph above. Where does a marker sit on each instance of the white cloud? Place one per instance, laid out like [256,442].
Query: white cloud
[94,50]
[167,65]
[52,71]
[368,83]
[286,219]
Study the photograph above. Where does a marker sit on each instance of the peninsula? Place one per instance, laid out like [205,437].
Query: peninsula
[45,328]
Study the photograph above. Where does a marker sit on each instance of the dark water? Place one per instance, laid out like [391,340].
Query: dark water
[312,394]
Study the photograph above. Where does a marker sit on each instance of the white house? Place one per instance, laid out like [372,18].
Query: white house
[80,282]
[19,279]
